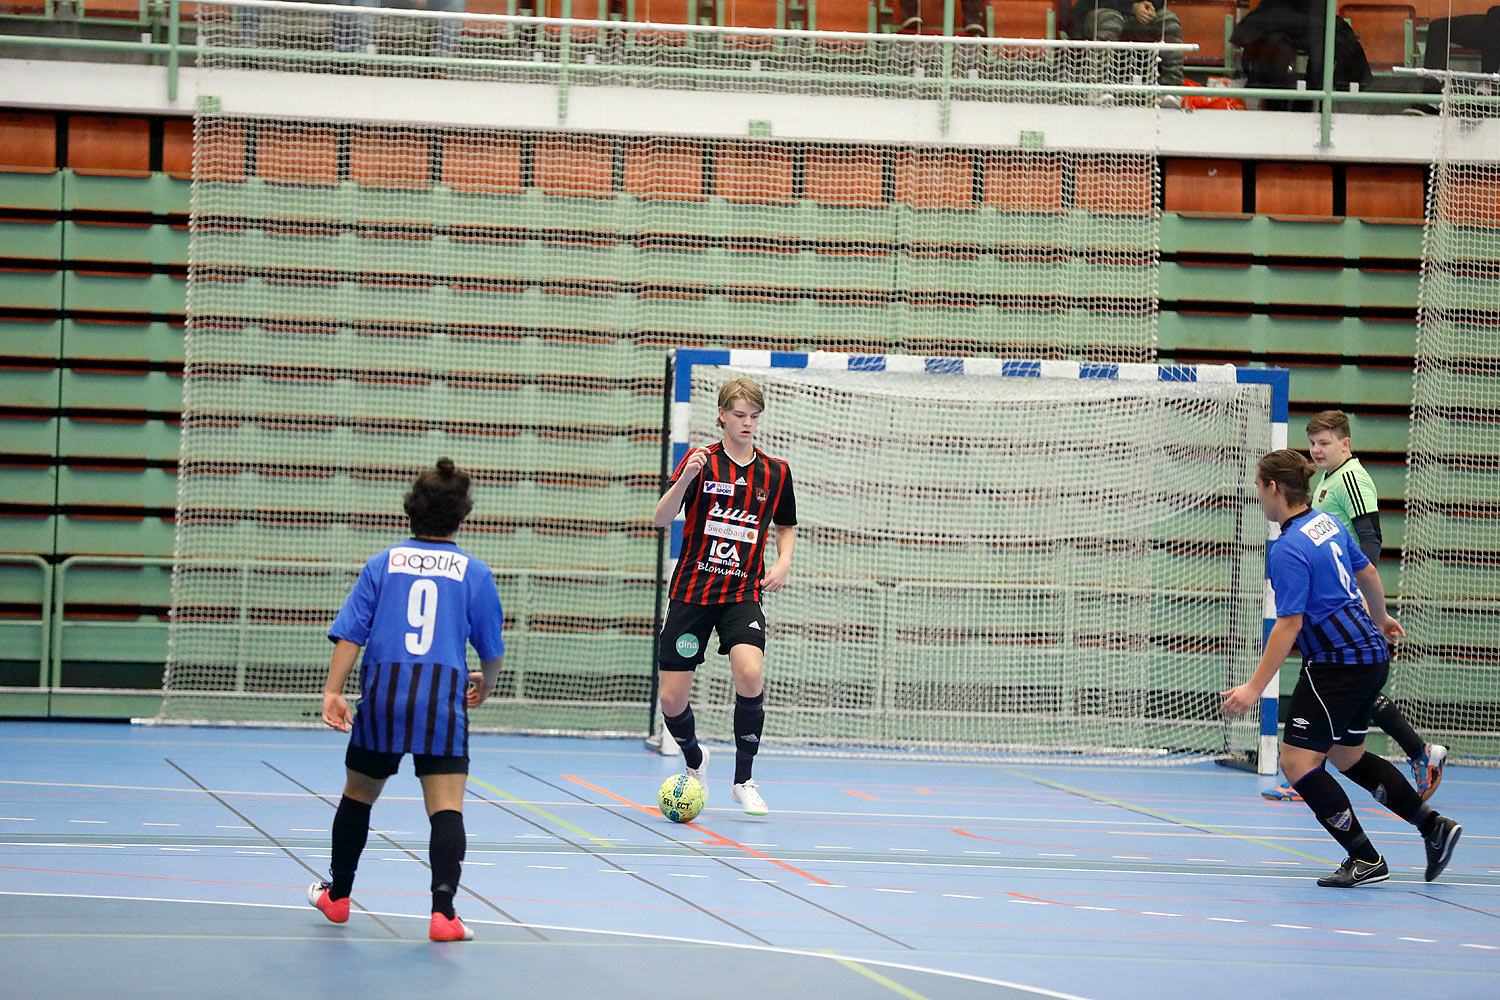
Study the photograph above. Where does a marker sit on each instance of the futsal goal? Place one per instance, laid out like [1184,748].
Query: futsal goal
[1005,559]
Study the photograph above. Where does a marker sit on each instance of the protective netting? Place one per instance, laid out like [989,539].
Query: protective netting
[369,293]
[1008,566]
[1447,672]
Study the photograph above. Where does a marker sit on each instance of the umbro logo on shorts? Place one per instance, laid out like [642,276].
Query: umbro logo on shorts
[1300,723]
[755,625]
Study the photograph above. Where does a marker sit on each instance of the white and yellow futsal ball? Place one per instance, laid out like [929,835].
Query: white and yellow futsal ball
[681,798]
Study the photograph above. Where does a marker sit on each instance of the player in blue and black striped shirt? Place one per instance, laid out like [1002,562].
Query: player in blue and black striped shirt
[415,609]
[1315,567]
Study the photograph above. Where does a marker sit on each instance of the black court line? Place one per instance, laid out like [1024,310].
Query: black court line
[1440,899]
[727,864]
[410,854]
[282,847]
[621,868]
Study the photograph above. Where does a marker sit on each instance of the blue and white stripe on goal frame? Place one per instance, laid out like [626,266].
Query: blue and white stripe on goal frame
[684,360]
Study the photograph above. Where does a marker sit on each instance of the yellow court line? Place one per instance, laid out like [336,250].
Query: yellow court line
[1160,815]
[542,812]
[888,983]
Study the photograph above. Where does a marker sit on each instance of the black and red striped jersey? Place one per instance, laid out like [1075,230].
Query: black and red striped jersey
[727,511]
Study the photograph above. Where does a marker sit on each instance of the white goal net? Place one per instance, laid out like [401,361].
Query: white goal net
[1447,671]
[1008,565]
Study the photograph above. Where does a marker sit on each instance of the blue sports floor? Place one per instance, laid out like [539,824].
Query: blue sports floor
[167,862]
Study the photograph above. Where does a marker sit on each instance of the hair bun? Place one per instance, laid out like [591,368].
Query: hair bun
[445,466]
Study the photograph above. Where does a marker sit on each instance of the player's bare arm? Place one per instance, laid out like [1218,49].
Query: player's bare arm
[336,712]
[1368,581]
[671,501]
[1239,700]
[775,577]
[482,681]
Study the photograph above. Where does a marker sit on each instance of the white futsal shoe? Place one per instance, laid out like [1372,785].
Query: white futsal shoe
[748,796]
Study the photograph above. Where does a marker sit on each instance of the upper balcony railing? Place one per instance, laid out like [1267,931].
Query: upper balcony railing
[612,50]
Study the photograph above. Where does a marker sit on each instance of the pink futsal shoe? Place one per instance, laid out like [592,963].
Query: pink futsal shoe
[445,929]
[336,910]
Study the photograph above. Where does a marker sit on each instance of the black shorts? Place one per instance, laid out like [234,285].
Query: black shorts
[379,764]
[1332,704]
[684,635]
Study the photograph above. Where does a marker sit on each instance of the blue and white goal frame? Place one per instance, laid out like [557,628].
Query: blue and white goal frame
[678,413]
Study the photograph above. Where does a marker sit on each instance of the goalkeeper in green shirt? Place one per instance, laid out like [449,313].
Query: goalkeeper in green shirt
[1347,492]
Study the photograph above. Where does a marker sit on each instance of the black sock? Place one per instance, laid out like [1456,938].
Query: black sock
[1388,717]
[1321,791]
[446,853]
[685,732]
[749,720]
[351,828]
[1388,786]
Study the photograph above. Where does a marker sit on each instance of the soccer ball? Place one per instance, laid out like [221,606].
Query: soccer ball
[681,798]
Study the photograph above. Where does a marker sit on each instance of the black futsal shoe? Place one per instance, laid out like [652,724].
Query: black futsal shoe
[1355,872]
[1439,844]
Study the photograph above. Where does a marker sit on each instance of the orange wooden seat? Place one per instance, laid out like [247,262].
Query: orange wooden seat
[102,145]
[1383,30]
[1298,189]
[397,159]
[934,179]
[1023,18]
[840,15]
[487,163]
[1203,23]
[664,169]
[754,172]
[297,154]
[1024,181]
[574,165]
[221,153]
[846,176]
[28,142]
[1384,192]
[1210,187]
[177,147]
[1104,185]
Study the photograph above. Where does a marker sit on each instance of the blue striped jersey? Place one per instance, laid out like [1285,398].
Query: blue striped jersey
[415,609]
[1312,567]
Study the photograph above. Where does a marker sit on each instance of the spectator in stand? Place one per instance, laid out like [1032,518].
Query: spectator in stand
[1137,21]
[910,17]
[1469,31]
[1274,32]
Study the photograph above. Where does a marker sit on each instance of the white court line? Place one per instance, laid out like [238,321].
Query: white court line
[101,822]
[1420,940]
[954,895]
[1157,913]
[636,935]
[1355,933]
[1481,947]
[912,850]
[232,826]
[174,824]
[1293,927]
[905,891]
[18,819]
[683,875]
[551,868]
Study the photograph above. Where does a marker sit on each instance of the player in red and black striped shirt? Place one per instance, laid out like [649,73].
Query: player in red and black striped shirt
[730,494]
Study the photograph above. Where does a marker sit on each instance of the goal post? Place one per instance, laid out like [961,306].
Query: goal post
[1006,559]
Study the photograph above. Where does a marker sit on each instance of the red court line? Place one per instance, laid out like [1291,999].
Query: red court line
[850,791]
[718,840]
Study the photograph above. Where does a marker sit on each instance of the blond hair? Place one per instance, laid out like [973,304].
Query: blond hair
[739,388]
[1291,470]
[1329,420]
